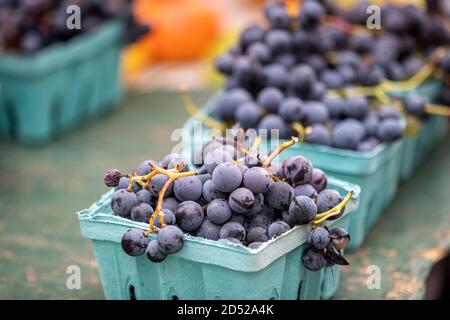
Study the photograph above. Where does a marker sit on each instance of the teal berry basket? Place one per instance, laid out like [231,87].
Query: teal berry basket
[48,93]
[206,269]
[376,172]
[415,149]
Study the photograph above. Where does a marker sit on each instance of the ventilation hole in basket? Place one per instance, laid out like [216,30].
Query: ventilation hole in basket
[299,290]
[132,292]
[11,119]
[274,295]
[55,117]
[174,297]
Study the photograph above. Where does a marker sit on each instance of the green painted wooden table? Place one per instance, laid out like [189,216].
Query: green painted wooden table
[42,187]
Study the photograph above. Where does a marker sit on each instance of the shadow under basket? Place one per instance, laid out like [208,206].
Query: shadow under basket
[48,93]
[206,269]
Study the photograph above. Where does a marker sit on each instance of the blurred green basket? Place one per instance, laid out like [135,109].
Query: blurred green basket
[206,269]
[45,94]
[376,172]
[416,149]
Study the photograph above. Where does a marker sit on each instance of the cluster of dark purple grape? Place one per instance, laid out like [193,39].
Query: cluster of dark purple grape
[292,70]
[234,194]
[325,248]
[29,25]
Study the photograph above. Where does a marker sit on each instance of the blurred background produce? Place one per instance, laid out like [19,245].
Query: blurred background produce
[41,188]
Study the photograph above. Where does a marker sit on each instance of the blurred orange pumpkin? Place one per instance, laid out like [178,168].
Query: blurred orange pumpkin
[181,29]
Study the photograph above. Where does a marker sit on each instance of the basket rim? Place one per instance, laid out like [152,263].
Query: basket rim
[364,155]
[259,258]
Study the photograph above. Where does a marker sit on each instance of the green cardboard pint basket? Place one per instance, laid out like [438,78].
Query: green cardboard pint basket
[45,94]
[416,149]
[206,269]
[376,172]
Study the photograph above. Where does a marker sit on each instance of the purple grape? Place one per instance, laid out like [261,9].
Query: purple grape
[157,183]
[219,211]
[170,239]
[298,170]
[145,196]
[154,252]
[270,99]
[291,109]
[339,238]
[145,167]
[254,245]
[141,212]
[318,134]
[277,228]
[216,157]
[279,195]
[318,180]
[248,114]
[257,180]
[169,218]
[311,13]
[210,192]
[319,238]
[122,202]
[315,112]
[274,126]
[306,190]
[209,230]
[357,107]
[390,130]
[257,234]
[124,182]
[134,242]
[278,40]
[189,215]
[170,203]
[260,221]
[257,207]
[369,144]
[187,188]
[327,200]
[302,78]
[227,177]
[241,200]
[112,177]
[313,260]
[232,230]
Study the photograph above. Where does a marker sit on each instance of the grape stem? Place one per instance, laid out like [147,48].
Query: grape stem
[173,175]
[298,127]
[332,212]
[280,149]
[158,211]
[145,181]
[195,112]
[438,110]
[381,91]
[256,144]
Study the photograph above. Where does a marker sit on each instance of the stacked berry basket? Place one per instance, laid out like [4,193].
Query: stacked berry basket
[52,77]
[352,96]
[242,229]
